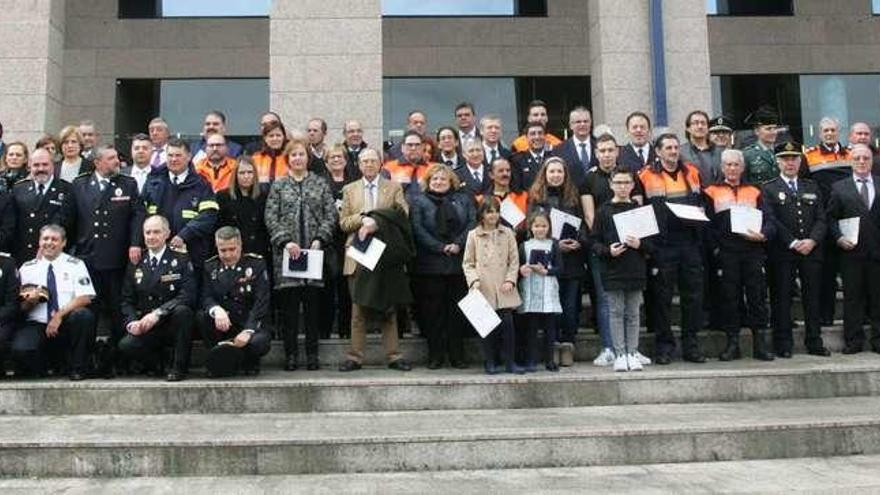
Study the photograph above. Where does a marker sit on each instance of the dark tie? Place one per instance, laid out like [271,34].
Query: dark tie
[494,156]
[449,162]
[176,180]
[793,186]
[52,303]
[863,192]
[584,158]
[477,177]
[642,156]
[157,154]
[41,188]
[154,262]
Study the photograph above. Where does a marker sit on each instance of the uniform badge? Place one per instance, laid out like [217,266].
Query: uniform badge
[214,274]
[84,281]
[249,288]
[194,202]
[118,191]
[174,263]
[171,287]
[138,276]
[781,196]
[1,272]
[60,195]
[249,272]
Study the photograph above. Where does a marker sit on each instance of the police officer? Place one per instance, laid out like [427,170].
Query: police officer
[740,256]
[58,321]
[9,308]
[720,132]
[108,215]
[180,195]
[39,200]
[796,207]
[759,156]
[158,295]
[235,304]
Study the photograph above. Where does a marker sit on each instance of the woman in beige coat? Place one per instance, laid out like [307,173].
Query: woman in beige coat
[491,264]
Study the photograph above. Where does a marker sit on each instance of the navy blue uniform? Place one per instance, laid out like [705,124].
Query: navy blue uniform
[34,210]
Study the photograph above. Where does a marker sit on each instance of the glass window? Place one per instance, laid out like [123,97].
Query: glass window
[847,97]
[875,6]
[750,7]
[193,8]
[741,95]
[505,96]
[459,8]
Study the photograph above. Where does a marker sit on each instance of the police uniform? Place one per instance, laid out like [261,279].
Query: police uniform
[34,210]
[741,265]
[76,335]
[797,209]
[190,208]
[169,291]
[827,165]
[9,305]
[242,290]
[108,220]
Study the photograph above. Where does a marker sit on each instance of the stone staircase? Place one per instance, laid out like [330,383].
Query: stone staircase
[444,429]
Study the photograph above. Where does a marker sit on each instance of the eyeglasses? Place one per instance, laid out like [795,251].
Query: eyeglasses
[621,182]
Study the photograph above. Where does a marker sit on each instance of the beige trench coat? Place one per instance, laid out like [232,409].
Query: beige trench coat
[492,258]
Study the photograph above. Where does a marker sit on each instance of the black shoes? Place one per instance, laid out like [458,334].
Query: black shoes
[459,365]
[349,365]
[663,359]
[694,357]
[819,351]
[785,354]
[175,376]
[400,365]
[730,353]
[435,364]
[76,376]
[852,349]
[290,363]
[312,363]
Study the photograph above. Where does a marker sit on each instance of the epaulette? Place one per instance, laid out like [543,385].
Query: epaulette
[22,181]
[73,259]
[213,258]
[5,255]
[593,168]
[254,255]
[84,174]
[177,250]
[30,262]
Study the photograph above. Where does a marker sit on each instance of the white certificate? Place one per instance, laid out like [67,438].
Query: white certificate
[315,269]
[688,212]
[849,227]
[558,218]
[511,213]
[745,218]
[370,257]
[479,313]
[639,222]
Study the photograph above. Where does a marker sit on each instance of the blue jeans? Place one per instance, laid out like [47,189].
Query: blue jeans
[603,320]
[570,299]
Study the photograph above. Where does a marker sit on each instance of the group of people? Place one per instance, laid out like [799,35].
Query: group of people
[205,237]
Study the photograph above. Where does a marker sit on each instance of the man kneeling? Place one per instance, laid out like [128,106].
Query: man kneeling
[158,295]
[235,302]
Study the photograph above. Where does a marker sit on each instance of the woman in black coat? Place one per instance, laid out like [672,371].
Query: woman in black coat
[441,219]
[242,206]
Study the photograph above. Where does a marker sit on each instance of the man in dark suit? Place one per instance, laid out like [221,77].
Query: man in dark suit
[855,197]
[466,121]
[639,151]
[108,215]
[37,201]
[795,205]
[527,164]
[490,132]
[140,167]
[475,174]
[579,151]
[158,295]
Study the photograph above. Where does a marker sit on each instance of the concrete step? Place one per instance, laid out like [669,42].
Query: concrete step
[309,443]
[588,346]
[846,474]
[379,389]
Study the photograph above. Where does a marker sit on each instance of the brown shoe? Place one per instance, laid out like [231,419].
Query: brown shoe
[566,354]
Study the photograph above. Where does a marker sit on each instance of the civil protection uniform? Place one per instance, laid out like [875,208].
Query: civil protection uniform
[163,284]
[36,207]
[741,263]
[108,216]
[795,205]
[827,165]
[242,290]
[678,259]
[65,278]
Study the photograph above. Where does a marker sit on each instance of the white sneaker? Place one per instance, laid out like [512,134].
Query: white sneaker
[643,360]
[605,358]
[620,363]
[632,361]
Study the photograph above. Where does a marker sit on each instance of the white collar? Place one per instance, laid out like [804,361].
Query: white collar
[158,255]
[375,181]
[578,142]
[869,179]
[787,180]
[180,177]
[137,169]
[46,185]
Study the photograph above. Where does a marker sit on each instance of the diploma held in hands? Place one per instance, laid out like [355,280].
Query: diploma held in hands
[849,227]
[368,257]
[479,313]
[638,222]
[559,219]
[688,212]
[511,213]
[310,264]
[745,218]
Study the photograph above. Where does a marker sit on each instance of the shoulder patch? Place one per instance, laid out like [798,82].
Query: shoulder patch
[84,174]
[30,262]
[73,260]
[213,258]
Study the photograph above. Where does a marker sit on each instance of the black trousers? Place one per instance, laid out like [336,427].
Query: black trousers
[501,341]
[831,266]
[860,277]
[810,273]
[108,289]
[337,307]
[742,272]
[290,300]
[175,330]
[536,323]
[33,351]
[682,264]
[256,348]
[437,309]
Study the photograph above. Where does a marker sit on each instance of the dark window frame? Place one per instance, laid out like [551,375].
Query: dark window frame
[538,8]
[789,13]
[152,9]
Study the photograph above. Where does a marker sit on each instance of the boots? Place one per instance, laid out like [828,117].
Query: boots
[760,349]
[732,351]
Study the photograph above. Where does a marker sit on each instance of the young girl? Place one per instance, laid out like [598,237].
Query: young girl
[623,274]
[540,289]
[491,263]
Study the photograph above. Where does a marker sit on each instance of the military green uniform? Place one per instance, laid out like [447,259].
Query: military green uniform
[760,164]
